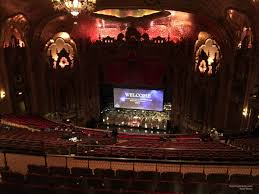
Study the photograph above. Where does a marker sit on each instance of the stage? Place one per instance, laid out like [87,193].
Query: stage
[130,120]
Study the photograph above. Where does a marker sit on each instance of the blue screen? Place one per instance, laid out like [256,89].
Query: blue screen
[138,99]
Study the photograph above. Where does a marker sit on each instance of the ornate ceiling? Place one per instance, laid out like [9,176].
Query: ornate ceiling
[211,14]
[36,9]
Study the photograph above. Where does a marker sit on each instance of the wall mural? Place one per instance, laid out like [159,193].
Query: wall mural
[61,51]
[174,26]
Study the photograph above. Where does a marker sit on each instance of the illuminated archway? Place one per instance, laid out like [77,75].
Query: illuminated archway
[61,51]
[207,55]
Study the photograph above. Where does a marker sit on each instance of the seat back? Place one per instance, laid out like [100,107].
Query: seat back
[148,175]
[217,178]
[241,179]
[81,172]
[37,169]
[194,177]
[54,170]
[125,174]
[172,176]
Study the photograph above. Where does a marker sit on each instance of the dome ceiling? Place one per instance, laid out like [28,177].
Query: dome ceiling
[130,15]
[124,13]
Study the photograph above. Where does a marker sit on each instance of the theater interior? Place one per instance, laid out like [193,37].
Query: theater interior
[132,96]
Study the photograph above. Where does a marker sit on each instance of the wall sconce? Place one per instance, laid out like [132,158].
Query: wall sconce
[2,94]
[245,112]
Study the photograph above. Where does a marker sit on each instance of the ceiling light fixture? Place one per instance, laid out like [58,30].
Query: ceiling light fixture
[75,7]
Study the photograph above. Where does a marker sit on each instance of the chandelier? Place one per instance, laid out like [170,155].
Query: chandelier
[74,7]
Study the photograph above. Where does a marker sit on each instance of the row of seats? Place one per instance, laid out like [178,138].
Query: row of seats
[249,143]
[30,120]
[56,142]
[53,143]
[83,180]
[192,151]
[9,188]
[148,175]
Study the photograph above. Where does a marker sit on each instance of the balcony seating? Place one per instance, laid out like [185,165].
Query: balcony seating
[30,121]
[194,183]
[53,142]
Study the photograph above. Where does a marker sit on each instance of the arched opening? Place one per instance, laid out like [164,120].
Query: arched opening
[14,43]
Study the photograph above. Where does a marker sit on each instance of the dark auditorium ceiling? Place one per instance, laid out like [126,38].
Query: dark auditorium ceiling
[36,9]
[205,11]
